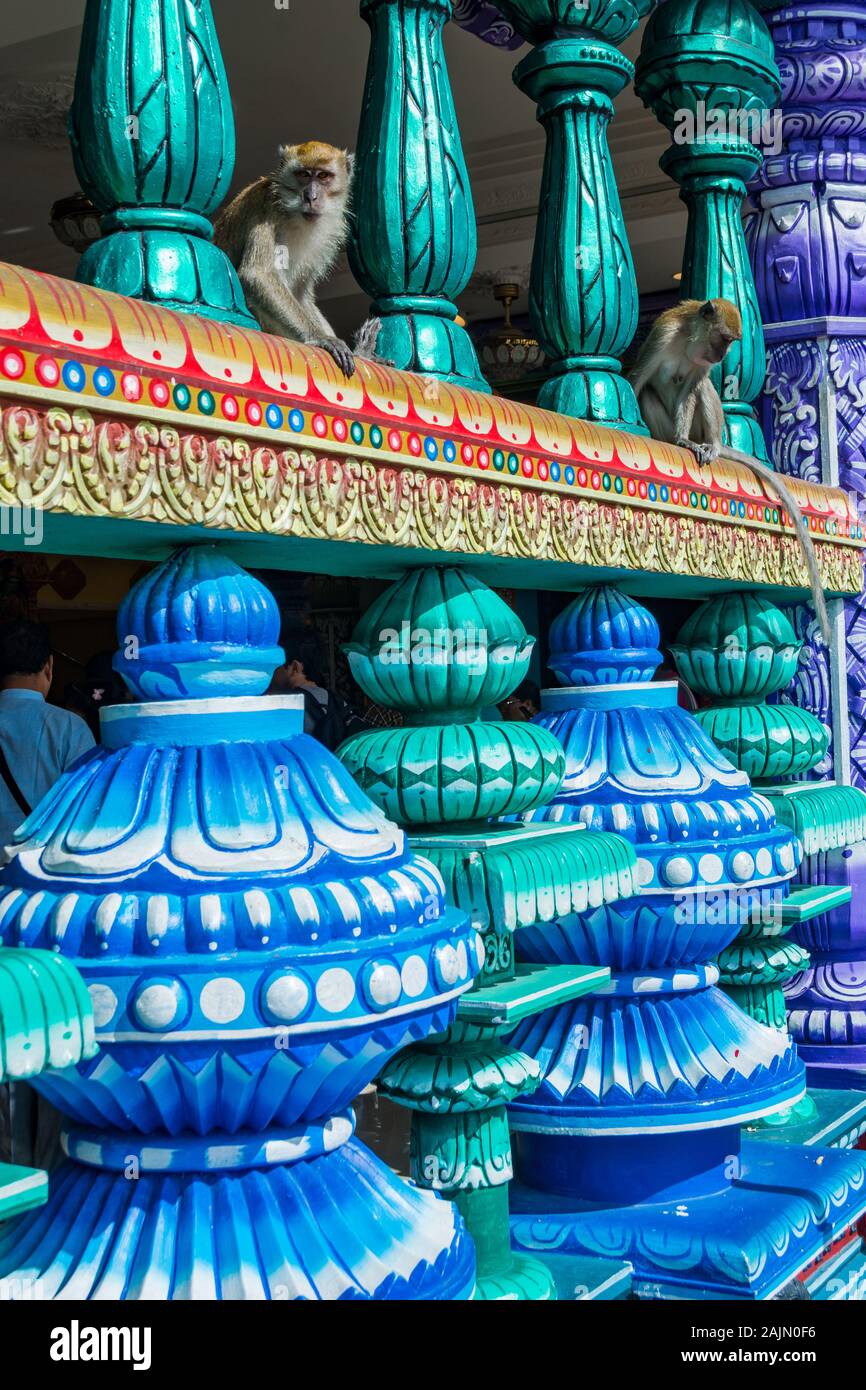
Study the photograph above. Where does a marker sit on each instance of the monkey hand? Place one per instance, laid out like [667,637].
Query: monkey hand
[340,351]
[704,453]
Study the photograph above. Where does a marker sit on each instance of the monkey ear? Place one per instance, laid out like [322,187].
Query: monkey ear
[708,310]
[284,153]
[350,164]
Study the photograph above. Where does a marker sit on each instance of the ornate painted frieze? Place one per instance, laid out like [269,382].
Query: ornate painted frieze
[111,407]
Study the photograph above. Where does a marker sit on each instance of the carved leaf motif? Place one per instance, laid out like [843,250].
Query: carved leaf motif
[787,268]
[785,219]
[849,212]
[152,120]
[422,240]
[74,465]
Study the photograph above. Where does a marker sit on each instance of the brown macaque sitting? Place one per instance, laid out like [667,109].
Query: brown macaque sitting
[680,404]
[671,377]
[283,234]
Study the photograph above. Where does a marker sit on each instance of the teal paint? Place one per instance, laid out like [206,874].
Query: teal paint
[699,58]
[448,773]
[583,292]
[125,539]
[414,243]
[153,142]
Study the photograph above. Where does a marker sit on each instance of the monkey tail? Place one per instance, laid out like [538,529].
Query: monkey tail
[367,338]
[786,496]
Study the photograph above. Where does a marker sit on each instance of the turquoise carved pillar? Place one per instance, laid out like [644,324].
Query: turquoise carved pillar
[154,147]
[46,1021]
[735,651]
[583,293]
[414,243]
[707,70]
[442,647]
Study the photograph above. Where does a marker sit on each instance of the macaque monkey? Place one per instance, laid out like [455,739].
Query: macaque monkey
[680,404]
[283,234]
[671,377]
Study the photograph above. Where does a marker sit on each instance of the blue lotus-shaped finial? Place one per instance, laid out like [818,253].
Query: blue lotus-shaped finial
[604,638]
[198,626]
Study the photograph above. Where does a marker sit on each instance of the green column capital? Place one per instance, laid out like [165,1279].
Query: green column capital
[153,142]
[707,69]
[583,291]
[572,72]
[613,20]
[413,243]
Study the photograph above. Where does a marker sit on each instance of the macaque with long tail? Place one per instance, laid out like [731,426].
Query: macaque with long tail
[680,404]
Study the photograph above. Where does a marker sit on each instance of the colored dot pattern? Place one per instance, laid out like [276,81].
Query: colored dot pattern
[166,393]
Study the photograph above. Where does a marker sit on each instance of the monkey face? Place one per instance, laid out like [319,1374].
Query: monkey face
[718,326]
[717,347]
[315,186]
[314,178]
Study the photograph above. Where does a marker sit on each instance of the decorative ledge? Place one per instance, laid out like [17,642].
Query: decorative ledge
[112,408]
[46,1015]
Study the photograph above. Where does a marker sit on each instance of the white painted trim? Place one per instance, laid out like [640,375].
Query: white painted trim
[232,704]
[314,1026]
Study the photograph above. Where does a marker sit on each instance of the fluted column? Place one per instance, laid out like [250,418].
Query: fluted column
[583,295]
[153,141]
[414,243]
[707,71]
[807,240]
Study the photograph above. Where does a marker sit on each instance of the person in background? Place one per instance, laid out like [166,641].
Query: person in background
[686,698]
[100,687]
[524,704]
[326,715]
[38,741]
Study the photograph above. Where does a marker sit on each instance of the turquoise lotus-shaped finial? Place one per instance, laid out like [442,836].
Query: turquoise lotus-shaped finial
[739,647]
[439,641]
[441,646]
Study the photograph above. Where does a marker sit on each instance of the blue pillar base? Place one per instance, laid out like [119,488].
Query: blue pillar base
[715,1237]
[842,1278]
[337,1226]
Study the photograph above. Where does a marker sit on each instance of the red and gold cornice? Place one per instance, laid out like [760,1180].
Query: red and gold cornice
[112,407]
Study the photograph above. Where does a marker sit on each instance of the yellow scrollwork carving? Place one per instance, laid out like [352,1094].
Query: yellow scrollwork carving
[68,461]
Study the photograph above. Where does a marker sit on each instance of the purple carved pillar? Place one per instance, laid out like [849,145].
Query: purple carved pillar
[483,18]
[807,240]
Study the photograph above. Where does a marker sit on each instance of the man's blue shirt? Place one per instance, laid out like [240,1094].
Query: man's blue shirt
[40,742]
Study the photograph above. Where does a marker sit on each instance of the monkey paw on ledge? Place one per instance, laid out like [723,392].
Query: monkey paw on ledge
[114,409]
